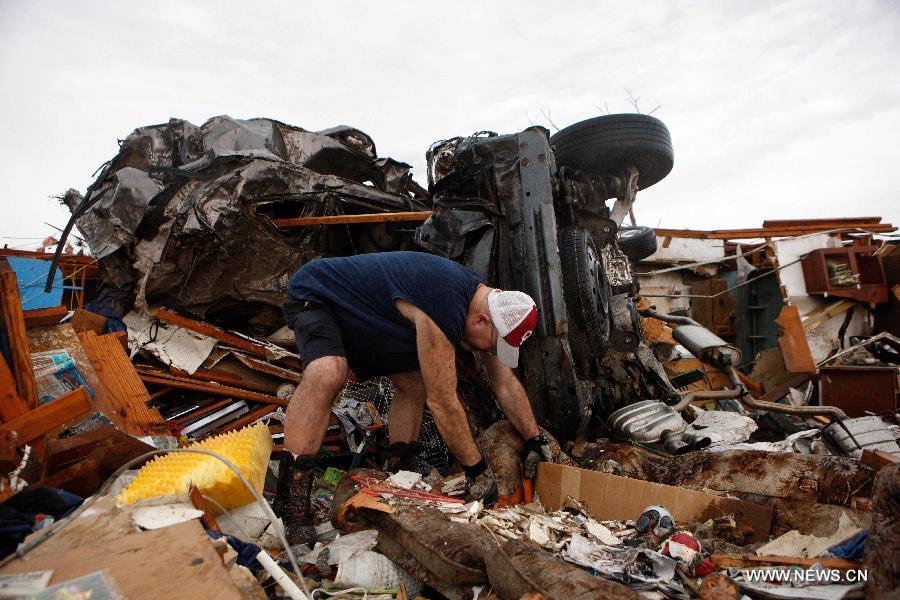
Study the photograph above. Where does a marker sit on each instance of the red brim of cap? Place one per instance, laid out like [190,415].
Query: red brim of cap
[508,345]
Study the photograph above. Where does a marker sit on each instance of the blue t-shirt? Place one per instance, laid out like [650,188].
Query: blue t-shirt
[361,290]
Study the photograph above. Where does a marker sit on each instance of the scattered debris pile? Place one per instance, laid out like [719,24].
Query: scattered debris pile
[732,431]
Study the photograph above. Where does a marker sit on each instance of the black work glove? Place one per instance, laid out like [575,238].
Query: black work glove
[537,449]
[482,485]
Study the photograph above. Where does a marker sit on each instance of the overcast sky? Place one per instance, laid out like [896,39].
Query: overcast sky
[776,109]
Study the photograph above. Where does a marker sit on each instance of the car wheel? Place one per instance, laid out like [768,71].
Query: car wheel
[637,243]
[606,145]
[585,288]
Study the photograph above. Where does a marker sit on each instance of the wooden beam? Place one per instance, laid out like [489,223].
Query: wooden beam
[831,223]
[779,392]
[793,343]
[126,393]
[11,405]
[17,336]
[48,417]
[209,330]
[878,459]
[350,219]
[210,388]
[245,420]
[761,233]
[77,259]
[44,317]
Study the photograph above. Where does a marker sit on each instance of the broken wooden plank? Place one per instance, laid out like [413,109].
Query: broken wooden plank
[48,417]
[209,517]
[268,368]
[209,330]
[823,314]
[216,375]
[793,343]
[44,317]
[157,378]
[247,419]
[11,405]
[126,393]
[778,393]
[742,561]
[831,223]
[878,459]
[351,219]
[204,410]
[762,233]
[85,320]
[13,321]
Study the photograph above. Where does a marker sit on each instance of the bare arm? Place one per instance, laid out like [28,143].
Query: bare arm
[511,396]
[437,359]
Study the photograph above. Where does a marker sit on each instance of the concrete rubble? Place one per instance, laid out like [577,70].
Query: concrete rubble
[721,405]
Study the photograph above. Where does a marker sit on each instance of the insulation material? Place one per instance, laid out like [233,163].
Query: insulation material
[248,449]
[174,346]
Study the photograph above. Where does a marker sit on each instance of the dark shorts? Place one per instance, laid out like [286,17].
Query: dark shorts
[318,334]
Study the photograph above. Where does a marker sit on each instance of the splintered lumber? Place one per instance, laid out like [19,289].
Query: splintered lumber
[11,405]
[209,517]
[182,383]
[126,394]
[351,219]
[245,420]
[793,343]
[830,223]
[268,368]
[769,232]
[48,417]
[209,330]
[13,321]
[85,320]
[44,317]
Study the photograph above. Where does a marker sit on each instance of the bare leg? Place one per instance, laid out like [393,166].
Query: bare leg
[405,414]
[306,417]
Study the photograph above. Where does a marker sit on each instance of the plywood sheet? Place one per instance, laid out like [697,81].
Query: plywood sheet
[174,562]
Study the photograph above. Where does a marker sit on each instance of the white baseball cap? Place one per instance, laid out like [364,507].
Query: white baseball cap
[515,316]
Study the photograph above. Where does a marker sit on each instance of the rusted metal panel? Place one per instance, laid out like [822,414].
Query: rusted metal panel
[859,390]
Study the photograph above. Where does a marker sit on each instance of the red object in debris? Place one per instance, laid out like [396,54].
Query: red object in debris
[685,538]
[704,568]
[376,487]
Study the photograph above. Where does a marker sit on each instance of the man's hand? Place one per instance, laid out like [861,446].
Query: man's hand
[482,485]
[537,449]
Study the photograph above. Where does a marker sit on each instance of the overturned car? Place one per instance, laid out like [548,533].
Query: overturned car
[532,212]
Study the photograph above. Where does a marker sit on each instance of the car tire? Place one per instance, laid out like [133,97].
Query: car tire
[606,145]
[585,289]
[637,243]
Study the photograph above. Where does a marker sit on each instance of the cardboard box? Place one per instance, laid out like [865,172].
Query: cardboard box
[610,497]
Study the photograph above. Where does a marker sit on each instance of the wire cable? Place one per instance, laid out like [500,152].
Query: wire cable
[25,548]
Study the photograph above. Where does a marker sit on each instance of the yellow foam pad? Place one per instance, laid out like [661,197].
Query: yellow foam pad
[248,448]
